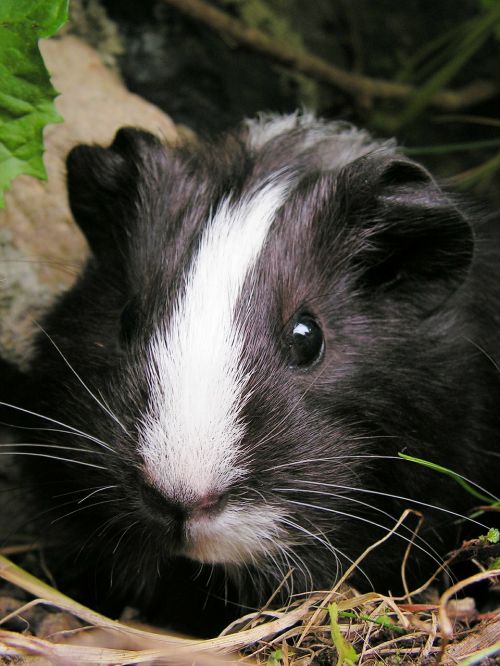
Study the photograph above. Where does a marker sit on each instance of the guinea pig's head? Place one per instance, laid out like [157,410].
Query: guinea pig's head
[258,321]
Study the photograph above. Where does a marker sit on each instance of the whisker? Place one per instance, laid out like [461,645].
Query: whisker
[101,530]
[313,536]
[483,352]
[398,497]
[75,492]
[94,492]
[336,552]
[375,457]
[82,508]
[69,268]
[289,558]
[46,455]
[59,430]
[361,519]
[64,425]
[435,555]
[103,404]
[127,529]
[52,446]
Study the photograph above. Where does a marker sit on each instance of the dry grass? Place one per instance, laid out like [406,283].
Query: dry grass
[334,627]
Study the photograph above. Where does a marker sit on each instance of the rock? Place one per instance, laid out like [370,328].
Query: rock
[41,249]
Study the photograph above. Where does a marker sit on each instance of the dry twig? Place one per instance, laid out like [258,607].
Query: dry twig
[356,85]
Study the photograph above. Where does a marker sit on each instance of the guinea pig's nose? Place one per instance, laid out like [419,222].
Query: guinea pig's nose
[162,506]
[210,503]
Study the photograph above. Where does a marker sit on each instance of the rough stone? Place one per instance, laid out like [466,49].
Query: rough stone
[41,249]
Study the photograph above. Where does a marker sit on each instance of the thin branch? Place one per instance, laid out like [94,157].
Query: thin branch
[320,70]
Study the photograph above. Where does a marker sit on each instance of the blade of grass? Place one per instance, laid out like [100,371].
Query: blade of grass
[483,27]
[449,472]
[477,657]
[452,147]
[346,654]
[17,576]
[467,119]
[382,620]
[477,174]
[411,69]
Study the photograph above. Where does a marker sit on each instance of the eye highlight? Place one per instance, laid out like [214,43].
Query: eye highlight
[305,342]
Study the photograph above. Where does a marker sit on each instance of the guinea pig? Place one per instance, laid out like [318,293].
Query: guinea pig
[265,322]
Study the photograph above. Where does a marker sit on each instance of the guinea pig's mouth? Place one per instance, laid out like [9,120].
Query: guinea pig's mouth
[214,528]
[235,535]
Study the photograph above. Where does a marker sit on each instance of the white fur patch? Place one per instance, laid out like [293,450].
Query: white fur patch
[237,535]
[192,429]
[329,145]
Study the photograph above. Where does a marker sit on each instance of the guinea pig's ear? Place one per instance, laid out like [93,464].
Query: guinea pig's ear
[413,242]
[106,186]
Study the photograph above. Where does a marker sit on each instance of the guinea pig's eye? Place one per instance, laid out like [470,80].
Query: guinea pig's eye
[305,342]
[129,321]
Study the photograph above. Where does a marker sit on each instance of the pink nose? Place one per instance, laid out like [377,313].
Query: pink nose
[209,503]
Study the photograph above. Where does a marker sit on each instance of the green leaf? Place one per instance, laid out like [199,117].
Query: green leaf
[26,94]
[275,658]
[492,536]
[383,620]
[346,654]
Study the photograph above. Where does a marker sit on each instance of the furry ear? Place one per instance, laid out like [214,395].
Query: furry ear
[106,186]
[413,242]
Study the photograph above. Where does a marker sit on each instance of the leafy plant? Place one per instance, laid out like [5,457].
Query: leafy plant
[26,93]
[492,536]
[275,658]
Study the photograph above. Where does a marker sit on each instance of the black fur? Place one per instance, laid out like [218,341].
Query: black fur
[404,284]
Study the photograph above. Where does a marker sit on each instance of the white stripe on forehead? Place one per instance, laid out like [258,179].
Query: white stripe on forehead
[192,427]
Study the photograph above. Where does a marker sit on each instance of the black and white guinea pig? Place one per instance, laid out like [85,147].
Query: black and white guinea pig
[264,323]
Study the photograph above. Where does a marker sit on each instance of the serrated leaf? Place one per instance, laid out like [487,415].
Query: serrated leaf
[26,93]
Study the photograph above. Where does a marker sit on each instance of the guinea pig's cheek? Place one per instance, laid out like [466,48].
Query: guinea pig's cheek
[237,535]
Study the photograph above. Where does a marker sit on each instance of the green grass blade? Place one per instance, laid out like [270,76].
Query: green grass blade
[484,26]
[449,472]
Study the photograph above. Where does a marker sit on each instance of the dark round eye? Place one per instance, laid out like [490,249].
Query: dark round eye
[306,342]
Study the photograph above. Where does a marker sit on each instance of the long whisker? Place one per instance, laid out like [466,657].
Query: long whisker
[375,457]
[315,537]
[70,268]
[64,425]
[360,518]
[94,492]
[52,446]
[46,455]
[102,403]
[82,508]
[101,530]
[335,551]
[430,549]
[290,557]
[398,497]
[484,352]
[59,430]
[80,490]
[127,529]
